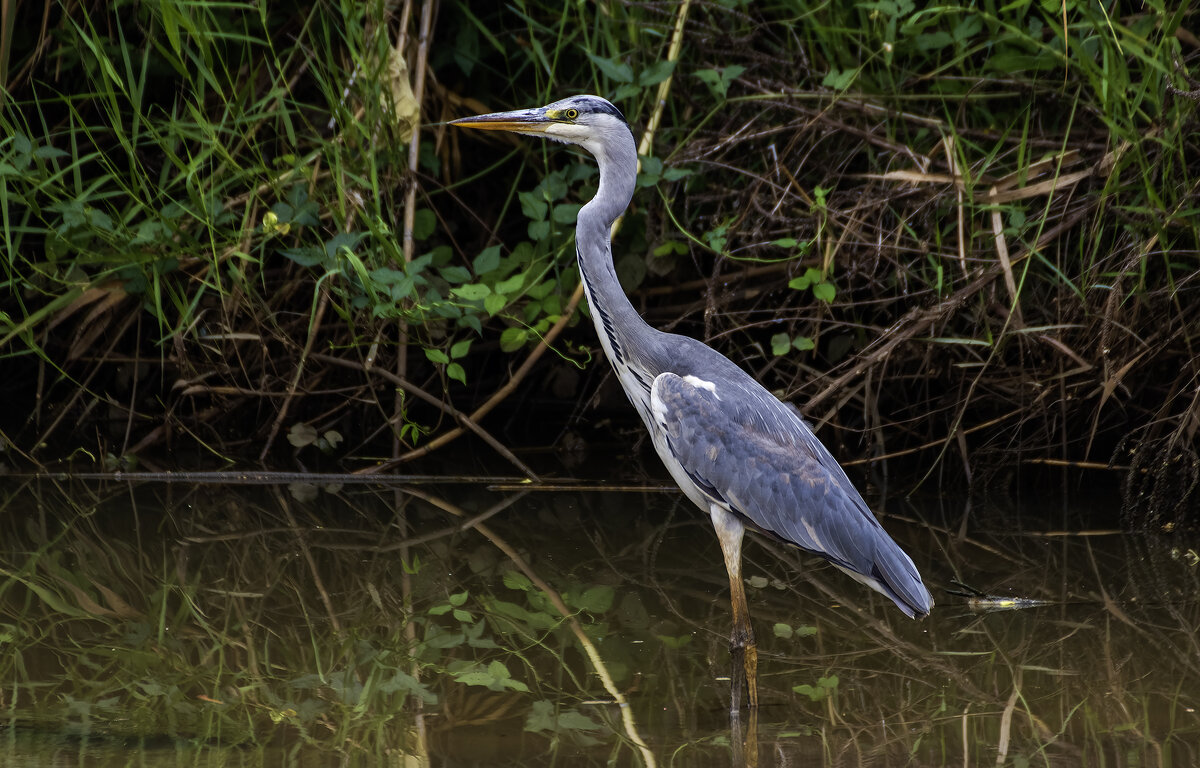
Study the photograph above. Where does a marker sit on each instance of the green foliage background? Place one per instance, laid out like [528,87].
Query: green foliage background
[196,198]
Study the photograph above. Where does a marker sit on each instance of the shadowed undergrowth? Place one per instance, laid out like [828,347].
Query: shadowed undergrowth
[957,237]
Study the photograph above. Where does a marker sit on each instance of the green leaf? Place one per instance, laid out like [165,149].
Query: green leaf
[472,291]
[541,717]
[718,80]
[810,276]
[617,71]
[533,205]
[496,677]
[511,285]
[462,615]
[387,276]
[487,261]
[475,637]
[631,270]
[933,41]
[780,344]
[968,28]
[49,153]
[538,230]
[716,237]
[803,343]
[512,339]
[786,242]
[403,289]
[458,598]
[494,303]
[475,678]
[439,610]
[100,220]
[839,79]
[656,73]
[815,694]
[402,681]
[149,232]
[543,289]
[675,643]
[436,356]
[517,580]
[302,434]
[544,717]
[533,619]
[455,274]
[554,186]
[784,631]
[708,76]
[21,144]
[671,247]
[824,291]
[424,222]
[595,599]
[459,349]
[565,213]
[626,91]
[456,372]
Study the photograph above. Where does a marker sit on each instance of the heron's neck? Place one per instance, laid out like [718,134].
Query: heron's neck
[612,312]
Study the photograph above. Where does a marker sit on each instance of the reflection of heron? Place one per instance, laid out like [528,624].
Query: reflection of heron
[736,451]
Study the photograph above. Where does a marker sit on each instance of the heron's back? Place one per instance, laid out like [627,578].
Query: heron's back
[734,444]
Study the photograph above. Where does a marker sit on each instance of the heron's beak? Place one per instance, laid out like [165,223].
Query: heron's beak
[532,121]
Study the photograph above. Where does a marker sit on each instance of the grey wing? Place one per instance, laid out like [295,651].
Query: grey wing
[745,450]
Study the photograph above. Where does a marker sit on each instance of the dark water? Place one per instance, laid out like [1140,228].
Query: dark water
[298,625]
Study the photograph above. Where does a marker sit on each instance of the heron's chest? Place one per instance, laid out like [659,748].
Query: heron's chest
[637,381]
[637,385]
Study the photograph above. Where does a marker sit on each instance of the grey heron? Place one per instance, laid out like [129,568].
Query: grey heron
[737,451]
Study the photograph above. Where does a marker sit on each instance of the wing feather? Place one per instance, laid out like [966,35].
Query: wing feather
[765,463]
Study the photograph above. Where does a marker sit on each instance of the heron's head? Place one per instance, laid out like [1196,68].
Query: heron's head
[590,121]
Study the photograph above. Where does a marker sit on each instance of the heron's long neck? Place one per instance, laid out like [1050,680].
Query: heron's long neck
[614,315]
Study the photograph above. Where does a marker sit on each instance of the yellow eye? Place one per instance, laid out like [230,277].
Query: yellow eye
[571,114]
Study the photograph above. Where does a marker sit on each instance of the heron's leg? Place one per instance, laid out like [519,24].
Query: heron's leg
[741,642]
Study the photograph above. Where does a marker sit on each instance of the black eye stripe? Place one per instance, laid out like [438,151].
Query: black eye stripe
[584,105]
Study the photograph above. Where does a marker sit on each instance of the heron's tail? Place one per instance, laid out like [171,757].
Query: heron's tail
[893,574]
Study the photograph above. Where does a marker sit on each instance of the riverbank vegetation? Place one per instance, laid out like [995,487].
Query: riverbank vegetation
[961,239]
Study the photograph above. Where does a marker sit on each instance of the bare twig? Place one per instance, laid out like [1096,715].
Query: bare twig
[920,319]
[467,422]
[313,328]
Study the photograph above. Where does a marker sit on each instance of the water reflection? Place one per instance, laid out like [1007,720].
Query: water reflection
[426,625]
